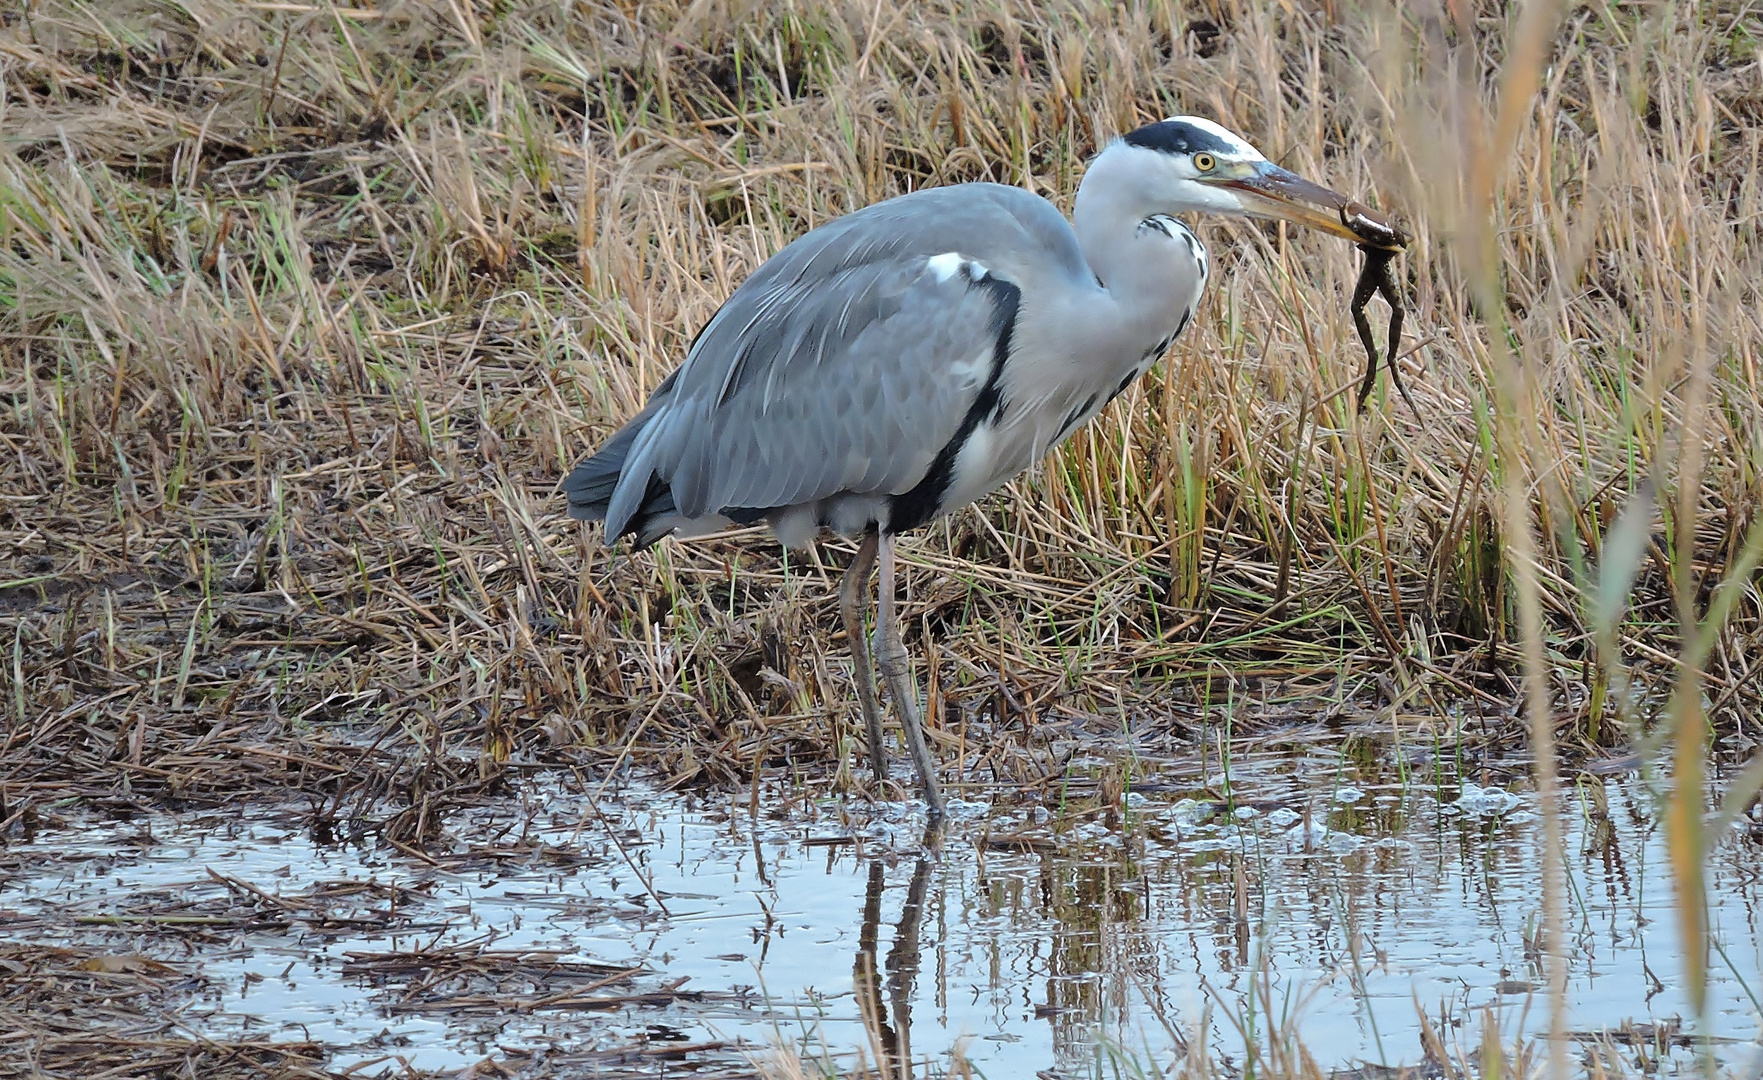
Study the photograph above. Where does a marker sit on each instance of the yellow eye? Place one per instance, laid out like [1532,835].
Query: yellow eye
[1205,162]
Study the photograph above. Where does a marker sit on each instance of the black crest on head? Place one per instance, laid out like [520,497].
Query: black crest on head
[1177,137]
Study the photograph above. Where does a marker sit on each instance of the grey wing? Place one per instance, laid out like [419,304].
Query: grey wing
[849,383]
[846,363]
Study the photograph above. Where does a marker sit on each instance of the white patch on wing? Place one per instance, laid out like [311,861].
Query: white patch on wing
[950,263]
[945,265]
[1238,146]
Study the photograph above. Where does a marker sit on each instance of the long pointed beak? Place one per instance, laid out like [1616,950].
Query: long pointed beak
[1275,193]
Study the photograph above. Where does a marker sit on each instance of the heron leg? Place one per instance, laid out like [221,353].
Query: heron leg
[890,655]
[854,584]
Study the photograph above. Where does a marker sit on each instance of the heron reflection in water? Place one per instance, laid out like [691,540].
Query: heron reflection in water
[891,1042]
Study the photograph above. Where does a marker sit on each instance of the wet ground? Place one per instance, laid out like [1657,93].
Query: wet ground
[558,933]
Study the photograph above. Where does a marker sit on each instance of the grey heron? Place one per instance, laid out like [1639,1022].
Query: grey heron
[906,359]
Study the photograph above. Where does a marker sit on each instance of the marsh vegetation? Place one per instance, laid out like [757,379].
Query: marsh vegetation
[304,308]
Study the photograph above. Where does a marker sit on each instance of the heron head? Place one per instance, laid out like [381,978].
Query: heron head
[1201,166]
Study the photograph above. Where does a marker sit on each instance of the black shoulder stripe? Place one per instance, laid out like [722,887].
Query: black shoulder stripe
[919,505]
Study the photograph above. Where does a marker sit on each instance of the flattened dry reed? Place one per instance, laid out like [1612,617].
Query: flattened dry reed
[75,1013]
[304,308]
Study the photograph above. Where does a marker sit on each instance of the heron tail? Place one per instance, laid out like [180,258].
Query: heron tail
[591,485]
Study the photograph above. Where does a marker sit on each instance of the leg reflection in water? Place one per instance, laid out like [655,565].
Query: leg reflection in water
[891,1043]
[884,1041]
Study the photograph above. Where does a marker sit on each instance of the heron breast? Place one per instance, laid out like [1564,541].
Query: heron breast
[992,454]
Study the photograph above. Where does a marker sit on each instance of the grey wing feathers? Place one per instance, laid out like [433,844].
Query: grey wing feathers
[854,390]
[844,364]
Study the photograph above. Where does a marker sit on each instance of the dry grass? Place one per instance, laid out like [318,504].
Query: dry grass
[305,308]
[69,1012]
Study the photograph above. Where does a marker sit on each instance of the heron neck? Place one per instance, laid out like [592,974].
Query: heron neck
[1142,273]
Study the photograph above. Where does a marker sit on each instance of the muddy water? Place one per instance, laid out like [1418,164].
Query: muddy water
[1300,892]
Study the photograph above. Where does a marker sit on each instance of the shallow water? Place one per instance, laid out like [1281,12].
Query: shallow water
[1302,892]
